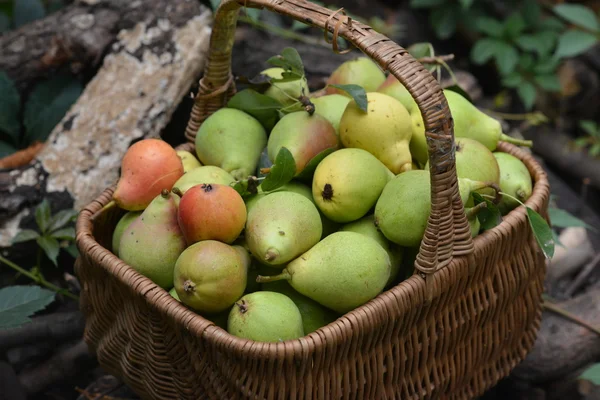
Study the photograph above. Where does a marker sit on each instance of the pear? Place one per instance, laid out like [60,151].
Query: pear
[314,315]
[148,167]
[281,226]
[341,272]
[188,160]
[153,242]
[203,174]
[231,139]
[476,162]
[360,71]
[287,93]
[469,122]
[304,135]
[366,226]
[265,317]
[402,210]
[210,275]
[474,223]
[174,294]
[347,184]
[393,87]
[515,181]
[123,223]
[331,107]
[384,130]
[211,211]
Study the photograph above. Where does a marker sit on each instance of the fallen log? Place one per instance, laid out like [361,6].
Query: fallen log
[150,69]
[77,36]
[563,346]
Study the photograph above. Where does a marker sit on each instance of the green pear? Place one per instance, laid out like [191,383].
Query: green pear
[174,294]
[347,184]
[210,275]
[188,160]
[304,135]
[231,139]
[418,141]
[515,181]
[384,130]
[360,71]
[366,226]
[331,106]
[153,242]
[403,209]
[281,226]
[393,87]
[343,271]
[476,162]
[287,93]
[123,223]
[203,174]
[265,317]
[314,315]
[474,223]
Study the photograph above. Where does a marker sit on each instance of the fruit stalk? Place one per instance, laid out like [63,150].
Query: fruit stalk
[474,211]
[515,141]
[477,185]
[283,275]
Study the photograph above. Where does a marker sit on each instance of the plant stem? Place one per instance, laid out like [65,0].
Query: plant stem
[287,34]
[38,279]
[556,309]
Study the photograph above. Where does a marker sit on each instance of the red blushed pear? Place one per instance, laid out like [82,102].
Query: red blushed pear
[304,135]
[211,212]
[360,71]
[148,167]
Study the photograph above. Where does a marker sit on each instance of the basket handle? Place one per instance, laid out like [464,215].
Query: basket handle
[447,233]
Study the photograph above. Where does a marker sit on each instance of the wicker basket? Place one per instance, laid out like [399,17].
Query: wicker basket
[466,317]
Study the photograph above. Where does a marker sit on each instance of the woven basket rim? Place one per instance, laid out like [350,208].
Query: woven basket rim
[198,325]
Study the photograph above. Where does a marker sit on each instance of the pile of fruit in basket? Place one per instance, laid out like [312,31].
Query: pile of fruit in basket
[298,207]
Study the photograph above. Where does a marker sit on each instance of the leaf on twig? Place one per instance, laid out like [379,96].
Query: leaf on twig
[50,246]
[42,215]
[490,216]
[542,232]
[18,303]
[282,171]
[263,108]
[357,92]
[25,235]
[291,62]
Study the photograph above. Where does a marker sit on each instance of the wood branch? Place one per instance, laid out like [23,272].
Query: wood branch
[134,95]
[563,346]
[63,365]
[77,35]
[55,326]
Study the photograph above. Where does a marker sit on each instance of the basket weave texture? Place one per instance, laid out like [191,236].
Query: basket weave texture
[467,316]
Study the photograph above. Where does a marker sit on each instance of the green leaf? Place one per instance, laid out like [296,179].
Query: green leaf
[465,4]
[514,25]
[542,232]
[490,216]
[540,42]
[581,142]
[357,92]
[42,215]
[18,303]
[61,218]
[420,50]
[309,169]
[289,60]
[551,23]
[64,234]
[590,127]
[546,65]
[50,246]
[548,82]
[426,3]
[557,239]
[592,374]
[6,149]
[299,25]
[512,80]
[579,15]
[282,171]
[574,42]
[263,108]
[444,21]
[490,26]
[10,104]
[4,23]
[48,104]
[253,13]
[25,235]
[215,4]
[531,12]
[26,11]
[595,150]
[72,250]
[526,61]
[507,58]
[483,50]
[563,219]
[527,93]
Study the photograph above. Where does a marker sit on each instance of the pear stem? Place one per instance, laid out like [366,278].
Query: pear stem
[515,141]
[265,170]
[271,255]
[473,211]
[521,195]
[177,191]
[482,185]
[265,279]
